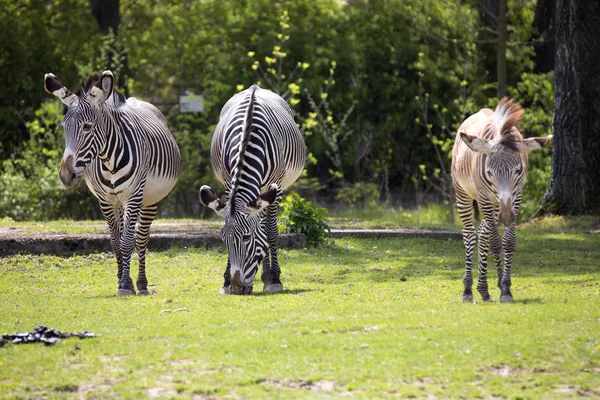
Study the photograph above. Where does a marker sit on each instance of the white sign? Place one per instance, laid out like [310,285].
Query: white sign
[191,102]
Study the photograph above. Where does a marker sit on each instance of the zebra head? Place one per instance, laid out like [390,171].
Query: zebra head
[505,169]
[244,235]
[83,138]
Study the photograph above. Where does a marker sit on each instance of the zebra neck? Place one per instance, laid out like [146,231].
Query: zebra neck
[113,142]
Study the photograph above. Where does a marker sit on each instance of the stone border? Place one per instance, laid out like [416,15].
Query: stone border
[69,244]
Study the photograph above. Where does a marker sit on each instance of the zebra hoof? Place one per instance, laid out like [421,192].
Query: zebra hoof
[143,293]
[273,288]
[467,298]
[224,290]
[506,298]
[126,292]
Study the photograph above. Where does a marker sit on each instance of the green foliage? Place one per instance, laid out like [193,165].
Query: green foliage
[300,216]
[378,87]
[359,195]
[29,185]
[535,92]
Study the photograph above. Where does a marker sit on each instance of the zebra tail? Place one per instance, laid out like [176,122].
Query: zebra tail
[507,115]
[476,210]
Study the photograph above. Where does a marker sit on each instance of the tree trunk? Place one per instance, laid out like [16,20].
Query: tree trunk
[107,15]
[543,25]
[575,183]
[501,48]
[108,18]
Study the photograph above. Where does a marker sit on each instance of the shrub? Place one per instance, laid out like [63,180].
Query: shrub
[300,216]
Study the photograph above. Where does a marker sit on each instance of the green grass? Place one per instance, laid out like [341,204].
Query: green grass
[432,215]
[360,318]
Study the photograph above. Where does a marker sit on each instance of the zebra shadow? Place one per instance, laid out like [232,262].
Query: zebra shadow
[286,291]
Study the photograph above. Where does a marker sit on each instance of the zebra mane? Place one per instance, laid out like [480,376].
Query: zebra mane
[85,87]
[246,127]
[506,117]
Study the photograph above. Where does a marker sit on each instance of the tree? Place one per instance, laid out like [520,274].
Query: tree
[575,183]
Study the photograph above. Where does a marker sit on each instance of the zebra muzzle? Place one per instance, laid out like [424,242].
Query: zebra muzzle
[67,174]
[506,216]
[237,286]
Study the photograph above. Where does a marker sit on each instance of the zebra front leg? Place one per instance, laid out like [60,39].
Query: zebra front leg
[271,271]
[113,217]
[484,248]
[509,242]
[496,247]
[227,279]
[142,236]
[464,204]
[130,215]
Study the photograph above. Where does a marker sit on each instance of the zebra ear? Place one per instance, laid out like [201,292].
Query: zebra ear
[53,86]
[209,199]
[103,89]
[264,200]
[476,143]
[530,144]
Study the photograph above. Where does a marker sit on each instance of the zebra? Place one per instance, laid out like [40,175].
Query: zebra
[489,167]
[257,151]
[129,158]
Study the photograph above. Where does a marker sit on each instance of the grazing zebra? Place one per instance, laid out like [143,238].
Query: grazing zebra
[129,158]
[489,166]
[257,151]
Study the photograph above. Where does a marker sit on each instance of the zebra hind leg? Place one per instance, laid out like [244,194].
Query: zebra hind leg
[142,236]
[271,270]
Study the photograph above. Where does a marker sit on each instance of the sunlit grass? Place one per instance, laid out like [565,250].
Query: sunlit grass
[360,318]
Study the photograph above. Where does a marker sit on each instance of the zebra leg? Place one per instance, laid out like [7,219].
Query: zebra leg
[130,215]
[485,230]
[113,217]
[271,270]
[142,236]
[465,209]
[496,248]
[227,276]
[509,242]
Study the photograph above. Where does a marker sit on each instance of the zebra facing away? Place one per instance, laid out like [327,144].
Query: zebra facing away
[129,158]
[257,151]
[489,167]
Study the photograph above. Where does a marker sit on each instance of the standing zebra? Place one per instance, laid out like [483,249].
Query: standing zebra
[257,151]
[489,166]
[129,158]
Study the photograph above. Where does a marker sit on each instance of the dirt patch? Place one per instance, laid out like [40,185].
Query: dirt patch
[504,370]
[313,386]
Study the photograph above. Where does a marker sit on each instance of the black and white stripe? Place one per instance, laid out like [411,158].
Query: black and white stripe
[489,165]
[257,152]
[129,159]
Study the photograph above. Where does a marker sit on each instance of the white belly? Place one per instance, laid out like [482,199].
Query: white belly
[157,189]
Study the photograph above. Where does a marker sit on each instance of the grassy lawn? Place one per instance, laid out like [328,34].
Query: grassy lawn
[359,318]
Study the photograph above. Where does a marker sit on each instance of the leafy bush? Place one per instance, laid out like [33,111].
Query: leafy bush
[29,185]
[535,92]
[359,195]
[300,216]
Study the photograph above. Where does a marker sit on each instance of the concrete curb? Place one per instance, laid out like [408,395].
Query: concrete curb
[70,244]
[394,233]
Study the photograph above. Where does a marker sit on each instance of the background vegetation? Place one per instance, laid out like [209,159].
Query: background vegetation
[378,88]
